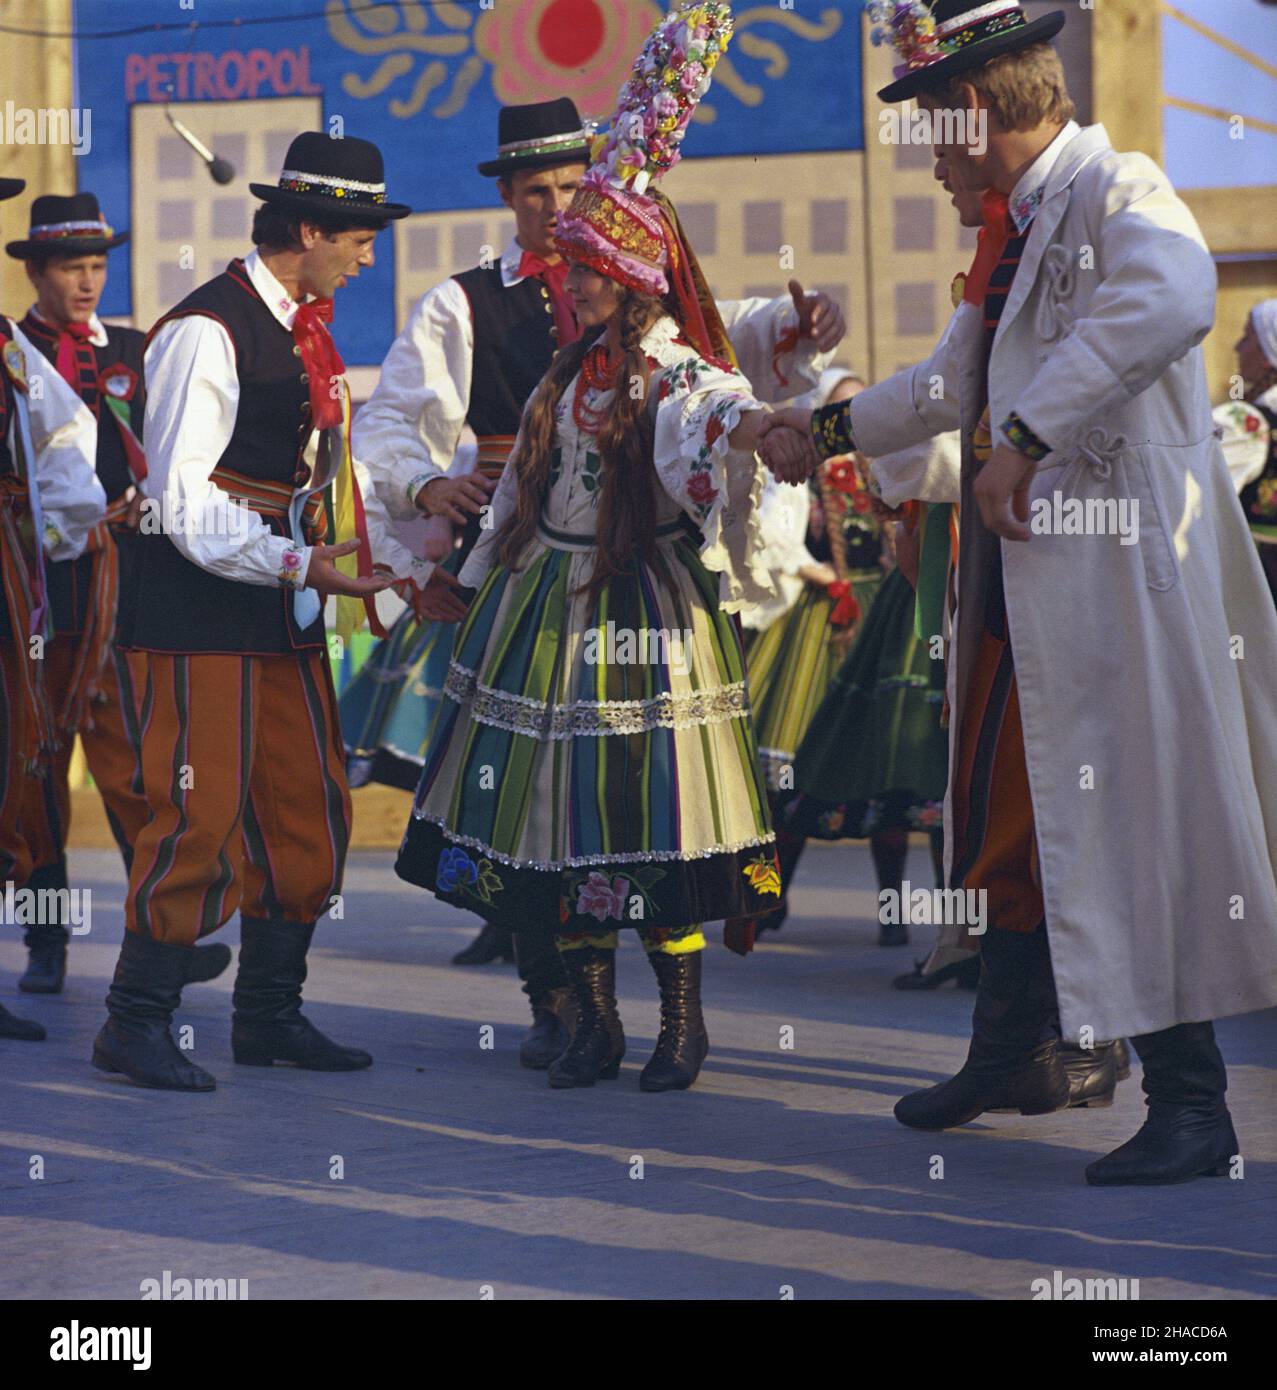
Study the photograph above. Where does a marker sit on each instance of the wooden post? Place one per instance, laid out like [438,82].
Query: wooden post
[1126,67]
[37,76]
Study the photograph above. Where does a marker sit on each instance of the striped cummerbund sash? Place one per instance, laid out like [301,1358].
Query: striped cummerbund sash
[577,540]
[268,498]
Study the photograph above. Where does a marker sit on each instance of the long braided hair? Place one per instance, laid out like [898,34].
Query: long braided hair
[627,496]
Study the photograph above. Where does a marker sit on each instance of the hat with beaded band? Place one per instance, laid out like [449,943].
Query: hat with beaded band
[66,226]
[938,40]
[337,177]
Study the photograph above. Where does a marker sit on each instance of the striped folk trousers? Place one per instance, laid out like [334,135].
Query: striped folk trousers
[112,750]
[245,778]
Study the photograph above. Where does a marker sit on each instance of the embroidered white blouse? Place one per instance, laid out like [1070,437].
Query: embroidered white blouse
[697,405]
[409,429]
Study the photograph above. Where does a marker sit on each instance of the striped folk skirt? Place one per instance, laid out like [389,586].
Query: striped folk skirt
[593,762]
[875,756]
[790,666]
[389,708]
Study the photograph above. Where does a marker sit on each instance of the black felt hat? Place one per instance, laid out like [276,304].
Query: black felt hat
[10,188]
[63,226]
[967,35]
[538,135]
[345,177]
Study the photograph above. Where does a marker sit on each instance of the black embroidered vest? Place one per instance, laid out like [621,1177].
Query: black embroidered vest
[180,606]
[513,347]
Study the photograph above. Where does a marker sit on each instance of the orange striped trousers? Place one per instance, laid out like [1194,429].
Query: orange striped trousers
[245,778]
[112,749]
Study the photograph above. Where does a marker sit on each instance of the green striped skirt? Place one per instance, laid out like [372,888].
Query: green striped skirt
[790,666]
[875,755]
[594,762]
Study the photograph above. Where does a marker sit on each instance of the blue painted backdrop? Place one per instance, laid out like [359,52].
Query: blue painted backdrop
[425,79]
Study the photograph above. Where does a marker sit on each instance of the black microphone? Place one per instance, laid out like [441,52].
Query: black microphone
[221,170]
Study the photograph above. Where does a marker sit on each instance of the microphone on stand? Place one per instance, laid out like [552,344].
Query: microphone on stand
[221,170]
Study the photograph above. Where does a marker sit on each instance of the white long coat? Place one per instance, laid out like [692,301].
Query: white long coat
[1147,672]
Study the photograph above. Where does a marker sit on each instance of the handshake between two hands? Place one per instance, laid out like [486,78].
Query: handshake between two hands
[785,445]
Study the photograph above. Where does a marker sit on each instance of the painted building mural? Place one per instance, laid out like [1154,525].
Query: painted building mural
[425,81]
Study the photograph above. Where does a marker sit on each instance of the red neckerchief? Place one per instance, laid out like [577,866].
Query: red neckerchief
[998,229]
[321,359]
[67,360]
[552,277]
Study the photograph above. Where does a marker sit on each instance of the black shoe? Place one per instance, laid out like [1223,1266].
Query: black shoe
[553,1022]
[135,1040]
[19,1028]
[683,1043]
[268,1025]
[492,943]
[1176,1143]
[964,973]
[1034,1084]
[46,960]
[597,1046]
[1092,1074]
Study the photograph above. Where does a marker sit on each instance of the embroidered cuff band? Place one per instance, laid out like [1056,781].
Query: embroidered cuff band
[831,430]
[417,483]
[293,565]
[1023,440]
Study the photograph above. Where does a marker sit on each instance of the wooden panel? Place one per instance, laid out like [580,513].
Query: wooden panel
[1236,220]
[37,76]
[1126,58]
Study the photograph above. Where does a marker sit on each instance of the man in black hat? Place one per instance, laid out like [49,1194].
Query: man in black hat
[93,687]
[472,352]
[246,418]
[50,499]
[1123,843]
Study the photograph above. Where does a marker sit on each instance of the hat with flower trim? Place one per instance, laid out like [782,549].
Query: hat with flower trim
[938,40]
[612,225]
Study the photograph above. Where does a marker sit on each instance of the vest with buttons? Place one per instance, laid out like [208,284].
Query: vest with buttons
[180,607]
[513,347]
[70,580]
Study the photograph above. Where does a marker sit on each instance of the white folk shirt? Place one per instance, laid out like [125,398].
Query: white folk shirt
[191,403]
[410,427]
[64,435]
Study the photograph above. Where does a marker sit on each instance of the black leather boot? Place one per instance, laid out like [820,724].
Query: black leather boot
[20,1028]
[1092,1074]
[1013,1063]
[492,943]
[890,849]
[683,1043]
[135,1039]
[553,1023]
[46,941]
[268,1025]
[1189,1132]
[597,1046]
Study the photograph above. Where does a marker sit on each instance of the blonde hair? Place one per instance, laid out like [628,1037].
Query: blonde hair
[1022,90]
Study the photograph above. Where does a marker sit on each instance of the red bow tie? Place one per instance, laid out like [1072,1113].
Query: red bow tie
[67,359]
[998,229]
[321,359]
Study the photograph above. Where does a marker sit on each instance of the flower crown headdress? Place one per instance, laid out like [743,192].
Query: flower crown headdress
[612,225]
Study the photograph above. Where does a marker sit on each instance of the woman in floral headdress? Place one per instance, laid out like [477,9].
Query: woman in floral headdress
[593,765]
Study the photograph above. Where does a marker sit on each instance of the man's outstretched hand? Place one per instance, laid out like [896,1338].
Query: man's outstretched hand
[324,577]
[819,317]
[788,452]
[439,600]
[1002,493]
[455,497]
